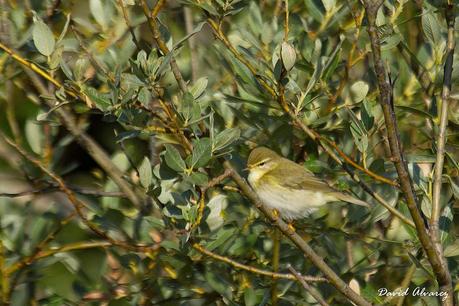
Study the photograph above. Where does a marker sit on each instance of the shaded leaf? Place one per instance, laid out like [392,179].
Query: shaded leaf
[43,38]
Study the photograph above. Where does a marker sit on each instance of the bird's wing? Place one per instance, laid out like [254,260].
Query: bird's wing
[303,179]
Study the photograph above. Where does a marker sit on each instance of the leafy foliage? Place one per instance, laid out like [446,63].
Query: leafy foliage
[109,87]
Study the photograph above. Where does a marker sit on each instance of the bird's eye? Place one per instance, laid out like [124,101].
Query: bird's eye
[262,164]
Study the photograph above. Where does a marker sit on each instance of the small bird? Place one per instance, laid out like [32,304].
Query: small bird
[288,188]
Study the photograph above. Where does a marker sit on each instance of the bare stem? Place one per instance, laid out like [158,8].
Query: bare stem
[441,138]
[311,290]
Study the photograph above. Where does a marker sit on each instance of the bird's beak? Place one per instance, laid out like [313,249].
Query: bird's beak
[247,169]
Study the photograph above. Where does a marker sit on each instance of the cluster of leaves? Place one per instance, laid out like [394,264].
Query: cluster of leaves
[171,143]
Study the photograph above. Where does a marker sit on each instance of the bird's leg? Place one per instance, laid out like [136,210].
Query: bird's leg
[275,213]
[291,227]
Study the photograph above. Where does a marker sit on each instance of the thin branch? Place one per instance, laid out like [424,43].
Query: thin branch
[386,100]
[286,21]
[191,43]
[80,190]
[441,138]
[151,16]
[4,279]
[287,230]
[51,235]
[202,200]
[441,142]
[35,69]
[312,291]
[128,23]
[254,270]
[406,283]
[276,238]
[61,249]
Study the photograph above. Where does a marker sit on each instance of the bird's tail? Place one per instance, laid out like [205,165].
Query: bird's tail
[350,199]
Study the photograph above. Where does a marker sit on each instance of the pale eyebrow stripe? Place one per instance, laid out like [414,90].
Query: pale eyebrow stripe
[262,161]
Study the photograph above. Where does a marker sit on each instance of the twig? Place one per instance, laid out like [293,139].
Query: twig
[317,260]
[35,69]
[441,141]
[276,237]
[202,203]
[29,259]
[191,43]
[312,291]
[128,23]
[441,138]
[80,190]
[4,280]
[254,270]
[286,22]
[65,248]
[386,100]
[406,283]
[151,16]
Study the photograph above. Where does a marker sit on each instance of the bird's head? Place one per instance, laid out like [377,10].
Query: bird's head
[261,160]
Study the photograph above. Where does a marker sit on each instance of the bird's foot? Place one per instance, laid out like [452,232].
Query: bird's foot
[291,228]
[275,213]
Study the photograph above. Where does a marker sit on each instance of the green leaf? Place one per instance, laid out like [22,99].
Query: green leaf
[367,116]
[445,222]
[43,38]
[225,138]
[452,250]
[189,108]
[144,96]
[146,176]
[329,4]
[250,298]
[98,12]
[288,55]
[99,100]
[199,87]
[173,158]
[202,153]
[198,178]
[431,28]
[359,91]
[197,29]
[34,136]
[221,237]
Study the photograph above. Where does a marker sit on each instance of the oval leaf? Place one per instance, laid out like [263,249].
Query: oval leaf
[173,158]
[43,38]
[145,173]
[288,55]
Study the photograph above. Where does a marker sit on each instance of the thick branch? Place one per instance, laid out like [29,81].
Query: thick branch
[386,101]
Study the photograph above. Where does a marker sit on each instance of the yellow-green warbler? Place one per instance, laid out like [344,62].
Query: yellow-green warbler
[288,188]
